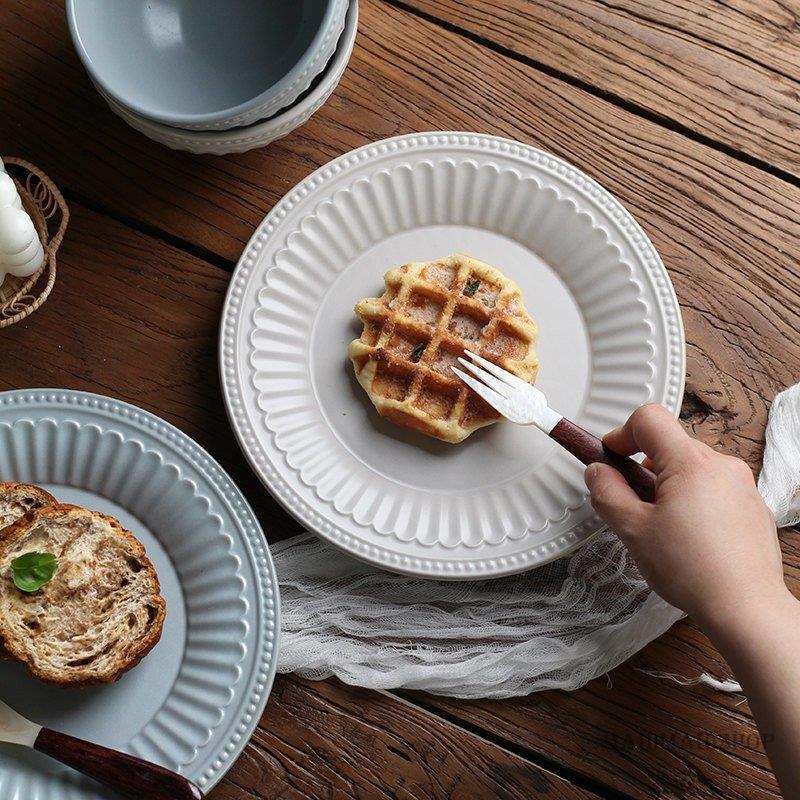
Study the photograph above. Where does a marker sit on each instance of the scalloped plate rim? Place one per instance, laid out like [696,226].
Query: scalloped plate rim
[244,283]
[280,270]
[252,688]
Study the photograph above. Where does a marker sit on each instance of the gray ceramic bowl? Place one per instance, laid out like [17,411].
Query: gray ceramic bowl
[248,137]
[205,64]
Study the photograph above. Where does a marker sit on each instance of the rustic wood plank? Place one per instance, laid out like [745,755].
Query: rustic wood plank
[137,319]
[405,75]
[712,218]
[765,31]
[727,231]
[327,740]
[726,72]
[656,738]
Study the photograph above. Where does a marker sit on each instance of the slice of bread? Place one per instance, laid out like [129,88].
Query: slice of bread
[101,613]
[17,499]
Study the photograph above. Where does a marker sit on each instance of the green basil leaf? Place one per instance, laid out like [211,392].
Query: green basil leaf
[33,570]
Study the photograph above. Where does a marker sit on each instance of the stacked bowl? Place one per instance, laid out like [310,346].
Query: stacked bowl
[214,77]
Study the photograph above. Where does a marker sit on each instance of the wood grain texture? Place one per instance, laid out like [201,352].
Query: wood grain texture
[405,75]
[136,318]
[715,220]
[764,31]
[646,736]
[327,740]
[728,72]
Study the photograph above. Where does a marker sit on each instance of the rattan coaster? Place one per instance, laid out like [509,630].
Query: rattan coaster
[20,297]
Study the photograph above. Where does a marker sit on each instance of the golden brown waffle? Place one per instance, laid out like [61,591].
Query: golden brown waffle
[413,334]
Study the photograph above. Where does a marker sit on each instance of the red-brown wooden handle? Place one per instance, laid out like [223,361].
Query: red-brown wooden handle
[127,774]
[591,450]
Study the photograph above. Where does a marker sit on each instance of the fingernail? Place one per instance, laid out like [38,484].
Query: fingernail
[589,474]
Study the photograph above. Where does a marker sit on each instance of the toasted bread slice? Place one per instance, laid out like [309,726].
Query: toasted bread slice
[17,499]
[101,613]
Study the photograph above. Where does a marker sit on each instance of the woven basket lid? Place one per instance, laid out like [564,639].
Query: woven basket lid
[20,297]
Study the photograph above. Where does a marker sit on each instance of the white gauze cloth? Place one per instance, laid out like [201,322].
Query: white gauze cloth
[558,626]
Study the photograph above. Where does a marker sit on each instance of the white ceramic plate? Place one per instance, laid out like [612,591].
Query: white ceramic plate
[507,498]
[193,702]
[260,134]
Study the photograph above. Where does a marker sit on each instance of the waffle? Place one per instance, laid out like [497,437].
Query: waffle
[413,334]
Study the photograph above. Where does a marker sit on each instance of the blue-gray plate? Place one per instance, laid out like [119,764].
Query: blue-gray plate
[193,702]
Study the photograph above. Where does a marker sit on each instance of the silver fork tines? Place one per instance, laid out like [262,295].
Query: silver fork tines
[515,399]
[489,395]
[524,404]
[499,386]
[507,378]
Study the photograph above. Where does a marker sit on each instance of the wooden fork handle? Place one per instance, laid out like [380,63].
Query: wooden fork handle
[127,774]
[591,450]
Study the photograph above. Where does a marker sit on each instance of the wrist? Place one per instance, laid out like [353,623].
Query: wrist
[735,625]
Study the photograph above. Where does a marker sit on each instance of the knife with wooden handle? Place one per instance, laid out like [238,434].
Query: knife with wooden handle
[127,774]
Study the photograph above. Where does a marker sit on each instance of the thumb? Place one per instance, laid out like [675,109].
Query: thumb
[615,501]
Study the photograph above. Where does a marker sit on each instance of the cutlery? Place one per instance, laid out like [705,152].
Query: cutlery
[524,404]
[127,774]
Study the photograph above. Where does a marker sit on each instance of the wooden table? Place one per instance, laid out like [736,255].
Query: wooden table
[687,110]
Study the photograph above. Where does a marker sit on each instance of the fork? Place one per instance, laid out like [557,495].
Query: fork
[524,404]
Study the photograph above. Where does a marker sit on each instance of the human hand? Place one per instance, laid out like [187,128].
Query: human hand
[708,544]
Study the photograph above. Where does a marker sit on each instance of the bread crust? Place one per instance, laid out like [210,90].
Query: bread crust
[10,487]
[10,490]
[122,662]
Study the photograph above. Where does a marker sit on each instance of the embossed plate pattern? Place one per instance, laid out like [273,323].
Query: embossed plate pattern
[192,704]
[507,498]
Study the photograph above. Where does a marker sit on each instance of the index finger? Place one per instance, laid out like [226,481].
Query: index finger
[651,430]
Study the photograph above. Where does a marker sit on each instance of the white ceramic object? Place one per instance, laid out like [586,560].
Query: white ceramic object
[205,65]
[251,137]
[193,702]
[9,196]
[505,499]
[21,251]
